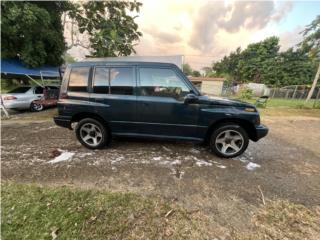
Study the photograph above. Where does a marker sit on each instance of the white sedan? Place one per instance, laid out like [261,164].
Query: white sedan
[21,98]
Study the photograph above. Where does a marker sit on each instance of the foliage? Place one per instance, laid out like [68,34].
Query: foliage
[311,41]
[246,93]
[196,73]
[112,31]
[33,32]
[187,70]
[68,58]
[263,63]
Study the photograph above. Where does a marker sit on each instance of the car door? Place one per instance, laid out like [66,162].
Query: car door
[113,89]
[161,109]
[34,93]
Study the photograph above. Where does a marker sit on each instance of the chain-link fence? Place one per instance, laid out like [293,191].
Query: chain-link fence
[293,93]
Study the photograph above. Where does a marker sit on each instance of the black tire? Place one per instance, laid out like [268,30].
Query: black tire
[36,107]
[80,133]
[221,149]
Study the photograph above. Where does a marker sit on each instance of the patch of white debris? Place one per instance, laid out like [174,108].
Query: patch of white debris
[195,151]
[245,158]
[221,166]
[157,158]
[118,159]
[64,156]
[201,163]
[252,166]
[84,154]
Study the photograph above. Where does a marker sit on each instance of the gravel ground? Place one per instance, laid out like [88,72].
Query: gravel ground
[284,165]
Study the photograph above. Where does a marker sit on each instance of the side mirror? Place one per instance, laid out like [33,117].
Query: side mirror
[190,98]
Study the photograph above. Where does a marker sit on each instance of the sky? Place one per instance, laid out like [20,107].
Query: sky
[205,31]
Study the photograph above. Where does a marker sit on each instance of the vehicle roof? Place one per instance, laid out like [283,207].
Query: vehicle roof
[125,63]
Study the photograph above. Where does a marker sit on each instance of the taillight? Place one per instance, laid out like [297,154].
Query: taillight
[9,98]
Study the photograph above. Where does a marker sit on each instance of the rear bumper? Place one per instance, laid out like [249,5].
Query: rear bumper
[261,131]
[63,121]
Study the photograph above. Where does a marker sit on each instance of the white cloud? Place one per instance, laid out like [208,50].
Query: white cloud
[204,31]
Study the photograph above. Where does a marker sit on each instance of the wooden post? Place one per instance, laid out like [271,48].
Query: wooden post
[294,93]
[314,84]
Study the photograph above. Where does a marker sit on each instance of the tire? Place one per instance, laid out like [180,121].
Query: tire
[92,134]
[229,140]
[36,107]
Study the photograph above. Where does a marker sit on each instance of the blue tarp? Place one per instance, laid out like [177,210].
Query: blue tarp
[14,66]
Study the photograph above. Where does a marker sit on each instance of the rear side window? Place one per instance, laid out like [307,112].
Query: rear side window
[121,81]
[78,80]
[100,80]
[118,80]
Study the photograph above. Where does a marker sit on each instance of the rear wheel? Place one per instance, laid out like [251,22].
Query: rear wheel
[229,140]
[92,134]
[36,107]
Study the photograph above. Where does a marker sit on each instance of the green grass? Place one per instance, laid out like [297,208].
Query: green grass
[34,212]
[286,103]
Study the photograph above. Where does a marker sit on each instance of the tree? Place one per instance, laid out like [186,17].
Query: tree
[187,70]
[33,32]
[262,62]
[311,43]
[196,73]
[112,30]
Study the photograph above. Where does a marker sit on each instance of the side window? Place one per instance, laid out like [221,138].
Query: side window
[78,80]
[38,90]
[121,80]
[100,80]
[160,82]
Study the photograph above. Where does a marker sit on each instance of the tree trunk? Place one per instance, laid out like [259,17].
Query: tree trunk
[314,84]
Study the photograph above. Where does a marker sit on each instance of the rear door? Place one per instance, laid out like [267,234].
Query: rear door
[113,88]
[161,109]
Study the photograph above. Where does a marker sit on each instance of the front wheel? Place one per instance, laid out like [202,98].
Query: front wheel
[92,134]
[229,140]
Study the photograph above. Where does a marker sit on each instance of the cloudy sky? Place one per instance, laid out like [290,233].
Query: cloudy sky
[205,31]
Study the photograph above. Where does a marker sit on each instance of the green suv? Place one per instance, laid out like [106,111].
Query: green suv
[151,100]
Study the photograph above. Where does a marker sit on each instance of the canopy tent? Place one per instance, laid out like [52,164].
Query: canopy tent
[13,68]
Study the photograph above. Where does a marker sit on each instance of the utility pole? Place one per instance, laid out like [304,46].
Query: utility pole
[314,84]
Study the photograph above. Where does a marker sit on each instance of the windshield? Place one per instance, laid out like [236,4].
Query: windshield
[20,90]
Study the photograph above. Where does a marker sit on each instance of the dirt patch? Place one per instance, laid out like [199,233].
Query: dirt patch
[225,191]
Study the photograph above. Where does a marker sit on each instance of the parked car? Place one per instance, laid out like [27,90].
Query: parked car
[24,97]
[151,100]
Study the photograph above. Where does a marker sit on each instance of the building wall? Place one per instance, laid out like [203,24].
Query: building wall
[212,87]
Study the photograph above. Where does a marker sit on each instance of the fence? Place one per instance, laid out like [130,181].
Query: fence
[299,94]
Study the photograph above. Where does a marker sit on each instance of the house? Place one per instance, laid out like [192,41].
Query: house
[208,85]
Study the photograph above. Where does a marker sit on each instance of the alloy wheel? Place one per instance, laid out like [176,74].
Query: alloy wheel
[229,142]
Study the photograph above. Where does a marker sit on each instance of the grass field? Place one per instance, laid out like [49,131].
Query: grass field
[288,103]
[35,212]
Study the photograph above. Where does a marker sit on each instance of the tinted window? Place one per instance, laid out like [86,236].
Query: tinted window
[38,90]
[20,90]
[78,79]
[100,81]
[161,83]
[121,81]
